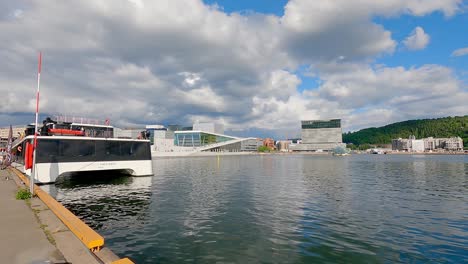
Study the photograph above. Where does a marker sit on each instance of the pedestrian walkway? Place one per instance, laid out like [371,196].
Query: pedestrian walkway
[23,240]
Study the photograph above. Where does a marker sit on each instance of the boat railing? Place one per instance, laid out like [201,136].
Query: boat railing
[81,120]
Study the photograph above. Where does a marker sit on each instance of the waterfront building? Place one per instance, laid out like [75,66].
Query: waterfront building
[428,144]
[401,144]
[251,144]
[195,138]
[453,143]
[269,143]
[206,141]
[178,139]
[409,145]
[417,145]
[320,135]
[159,132]
[283,145]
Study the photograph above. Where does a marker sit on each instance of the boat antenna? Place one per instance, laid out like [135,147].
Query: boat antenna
[34,169]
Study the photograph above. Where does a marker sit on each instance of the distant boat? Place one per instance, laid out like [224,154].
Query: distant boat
[341,151]
[377,151]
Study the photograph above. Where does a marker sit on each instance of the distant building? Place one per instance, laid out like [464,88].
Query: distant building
[283,145]
[127,132]
[453,143]
[427,144]
[269,143]
[251,144]
[320,135]
[417,145]
[17,132]
[199,137]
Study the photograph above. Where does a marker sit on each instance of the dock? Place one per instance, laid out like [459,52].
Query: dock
[38,230]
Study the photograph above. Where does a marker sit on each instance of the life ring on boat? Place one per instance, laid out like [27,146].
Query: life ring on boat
[65,132]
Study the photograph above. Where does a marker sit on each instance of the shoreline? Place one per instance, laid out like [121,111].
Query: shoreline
[163,155]
[427,153]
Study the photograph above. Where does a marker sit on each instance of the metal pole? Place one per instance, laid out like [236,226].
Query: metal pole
[34,169]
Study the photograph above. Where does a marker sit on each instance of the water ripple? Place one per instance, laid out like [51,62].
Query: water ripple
[281,209]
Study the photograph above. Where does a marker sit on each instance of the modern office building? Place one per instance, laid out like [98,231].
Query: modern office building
[320,135]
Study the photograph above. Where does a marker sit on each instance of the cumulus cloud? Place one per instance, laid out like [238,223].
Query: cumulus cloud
[460,52]
[174,61]
[401,93]
[417,40]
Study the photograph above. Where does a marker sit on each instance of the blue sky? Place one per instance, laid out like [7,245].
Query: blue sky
[258,67]
[447,34]
[275,7]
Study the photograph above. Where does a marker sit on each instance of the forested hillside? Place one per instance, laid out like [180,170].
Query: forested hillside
[440,127]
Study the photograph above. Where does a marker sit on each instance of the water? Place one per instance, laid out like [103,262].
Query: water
[281,209]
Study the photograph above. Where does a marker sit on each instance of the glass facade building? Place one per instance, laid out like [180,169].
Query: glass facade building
[315,124]
[198,139]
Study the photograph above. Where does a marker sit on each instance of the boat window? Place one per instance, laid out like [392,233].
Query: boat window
[113,148]
[86,148]
[141,149]
[65,150]
[48,148]
[127,149]
[68,148]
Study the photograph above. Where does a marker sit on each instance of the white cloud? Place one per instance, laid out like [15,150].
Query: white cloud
[172,61]
[204,98]
[190,78]
[460,52]
[417,40]
[367,96]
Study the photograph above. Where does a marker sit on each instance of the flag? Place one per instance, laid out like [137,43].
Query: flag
[10,142]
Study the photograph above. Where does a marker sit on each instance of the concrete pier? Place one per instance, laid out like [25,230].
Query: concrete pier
[31,233]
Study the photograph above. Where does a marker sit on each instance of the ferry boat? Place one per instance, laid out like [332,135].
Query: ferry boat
[75,147]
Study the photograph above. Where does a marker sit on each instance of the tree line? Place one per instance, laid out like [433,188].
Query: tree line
[438,127]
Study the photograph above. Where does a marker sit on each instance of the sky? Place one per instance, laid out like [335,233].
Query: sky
[258,67]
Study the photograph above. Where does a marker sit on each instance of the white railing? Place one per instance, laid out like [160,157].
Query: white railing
[81,120]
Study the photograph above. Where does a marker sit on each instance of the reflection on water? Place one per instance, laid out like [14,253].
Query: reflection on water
[281,209]
[104,201]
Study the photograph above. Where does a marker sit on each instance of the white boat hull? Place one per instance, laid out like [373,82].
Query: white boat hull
[49,172]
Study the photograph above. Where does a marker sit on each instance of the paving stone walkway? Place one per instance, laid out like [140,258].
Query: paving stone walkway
[22,239]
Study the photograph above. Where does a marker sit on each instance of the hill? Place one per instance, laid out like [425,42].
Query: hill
[439,127]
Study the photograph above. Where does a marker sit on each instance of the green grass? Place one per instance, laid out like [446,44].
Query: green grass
[23,194]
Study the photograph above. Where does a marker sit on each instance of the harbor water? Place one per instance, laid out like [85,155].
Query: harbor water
[281,209]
